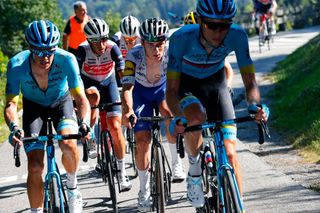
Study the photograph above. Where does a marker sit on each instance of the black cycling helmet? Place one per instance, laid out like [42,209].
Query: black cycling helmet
[217,9]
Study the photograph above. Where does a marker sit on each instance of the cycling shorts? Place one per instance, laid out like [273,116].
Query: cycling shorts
[212,92]
[35,116]
[145,100]
[109,92]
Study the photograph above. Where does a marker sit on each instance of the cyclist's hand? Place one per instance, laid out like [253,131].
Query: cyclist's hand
[261,111]
[129,120]
[15,135]
[177,126]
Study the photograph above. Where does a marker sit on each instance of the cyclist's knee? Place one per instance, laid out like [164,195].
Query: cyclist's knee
[35,168]
[93,95]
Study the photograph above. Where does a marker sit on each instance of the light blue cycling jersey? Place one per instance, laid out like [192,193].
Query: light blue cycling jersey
[64,75]
[186,54]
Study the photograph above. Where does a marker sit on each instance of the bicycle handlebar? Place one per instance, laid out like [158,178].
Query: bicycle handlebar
[16,151]
[155,118]
[262,128]
[105,105]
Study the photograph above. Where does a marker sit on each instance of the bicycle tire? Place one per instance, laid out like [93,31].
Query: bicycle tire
[231,201]
[159,176]
[132,145]
[54,198]
[109,171]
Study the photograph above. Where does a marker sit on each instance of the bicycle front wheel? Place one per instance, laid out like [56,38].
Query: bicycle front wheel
[230,192]
[54,205]
[159,176]
[109,170]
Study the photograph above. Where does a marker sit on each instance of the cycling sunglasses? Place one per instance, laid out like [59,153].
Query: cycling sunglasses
[215,25]
[42,53]
[130,39]
[98,40]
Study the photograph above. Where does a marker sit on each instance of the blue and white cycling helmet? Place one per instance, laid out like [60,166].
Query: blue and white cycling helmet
[154,30]
[217,9]
[42,34]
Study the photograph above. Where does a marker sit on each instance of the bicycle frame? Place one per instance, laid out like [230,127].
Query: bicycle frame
[155,146]
[52,167]
[221,160]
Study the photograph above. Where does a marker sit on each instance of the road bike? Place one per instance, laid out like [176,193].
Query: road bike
[160,171]
[218,174]
[55,199]
[106,159]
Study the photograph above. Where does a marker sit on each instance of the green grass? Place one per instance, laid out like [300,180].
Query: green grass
[296,97]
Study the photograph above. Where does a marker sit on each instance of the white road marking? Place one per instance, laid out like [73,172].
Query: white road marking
[8,179]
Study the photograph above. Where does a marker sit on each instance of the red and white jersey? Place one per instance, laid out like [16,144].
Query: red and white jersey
[100,67]
[118,38]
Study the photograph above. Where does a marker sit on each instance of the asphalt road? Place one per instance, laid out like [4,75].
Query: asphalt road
[266,190]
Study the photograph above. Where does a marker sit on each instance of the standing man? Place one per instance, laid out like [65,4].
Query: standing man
[47,76]
[144,84]
[100,60]
[197,86]
[73,34]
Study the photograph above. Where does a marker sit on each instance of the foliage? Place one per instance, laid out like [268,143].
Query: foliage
[297,96]
[113,20]
[3,68]
[15,17]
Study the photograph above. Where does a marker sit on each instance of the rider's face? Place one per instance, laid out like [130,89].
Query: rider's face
[214,30]
[43,57]
[98,46]
[154,49]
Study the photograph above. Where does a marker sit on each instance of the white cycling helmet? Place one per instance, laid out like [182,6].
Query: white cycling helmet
[96,28]
[129,26]
[154,29]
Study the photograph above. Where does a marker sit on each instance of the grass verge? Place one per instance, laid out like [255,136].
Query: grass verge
[296,98]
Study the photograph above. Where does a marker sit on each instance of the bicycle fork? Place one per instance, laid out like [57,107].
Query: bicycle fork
[53,172]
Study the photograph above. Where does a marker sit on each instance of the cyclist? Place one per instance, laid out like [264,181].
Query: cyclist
[196,83]
[144,84]
[99,59]
[267,7]
[192,18]
[73,34]
[47,77]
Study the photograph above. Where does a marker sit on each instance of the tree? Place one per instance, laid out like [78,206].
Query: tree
[15,17]
[113,20]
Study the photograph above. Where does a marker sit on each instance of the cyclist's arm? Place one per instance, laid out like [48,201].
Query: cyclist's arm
[12,95]
[173,78]
[118,59]
[251,87]
[127,87]
[77,89]
[67,31]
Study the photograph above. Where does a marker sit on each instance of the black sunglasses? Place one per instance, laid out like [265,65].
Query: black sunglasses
[97,40]
[215,25]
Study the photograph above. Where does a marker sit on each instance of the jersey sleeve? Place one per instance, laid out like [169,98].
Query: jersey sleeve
[117,58]
[13,84]
[67,29]
[241,47]
[80,56]
[129,69]
[116,40]
[175,58]
[74,79]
